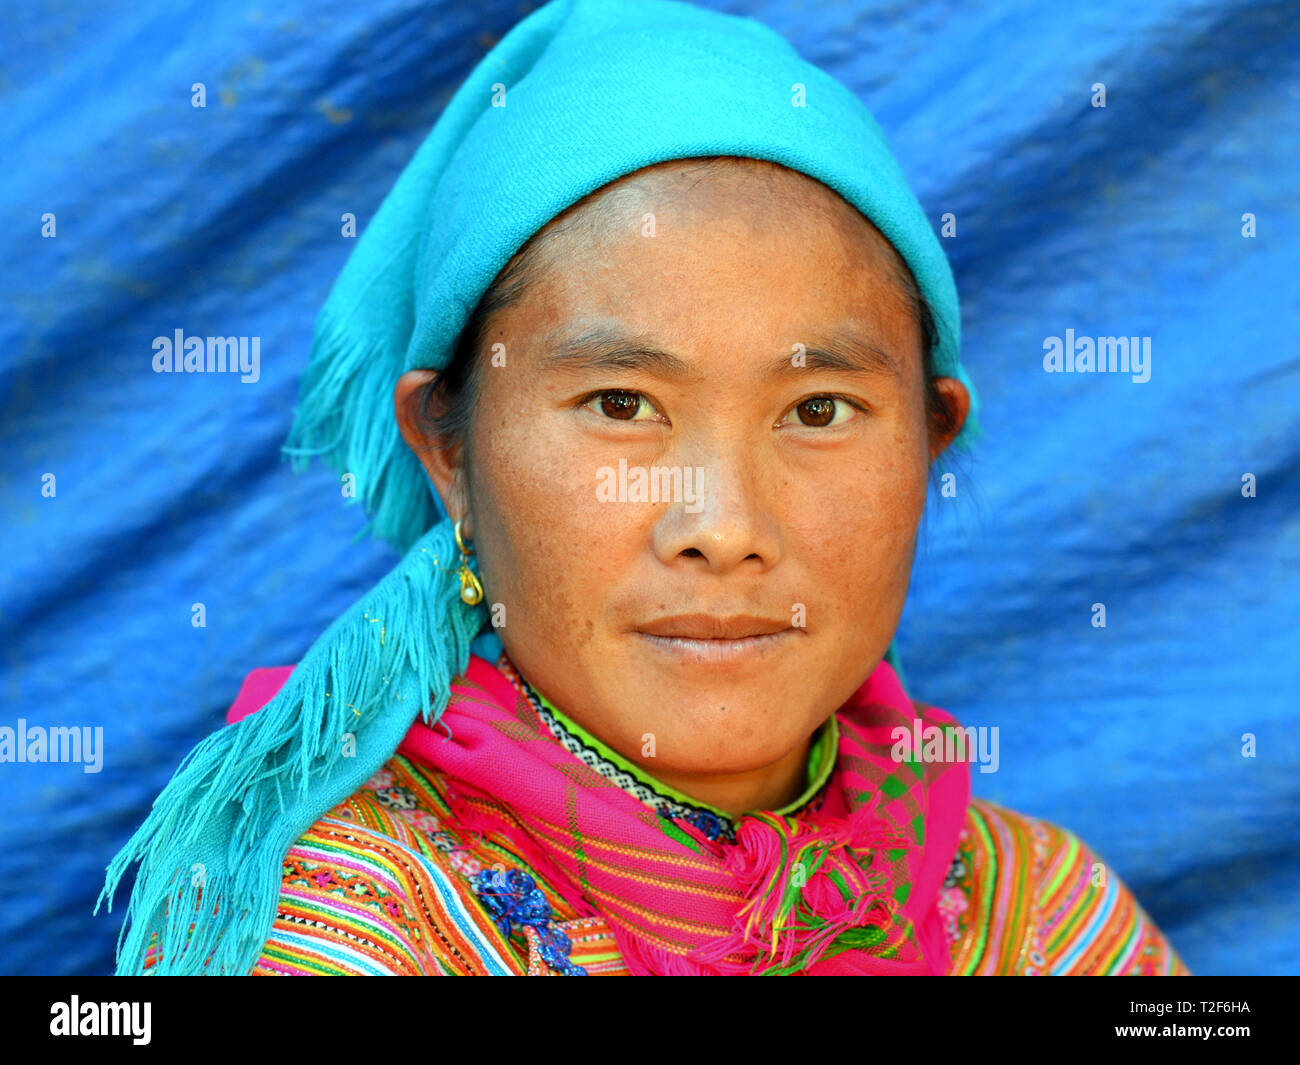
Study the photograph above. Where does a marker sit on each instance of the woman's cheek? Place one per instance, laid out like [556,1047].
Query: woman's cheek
[545,492]
[867,522]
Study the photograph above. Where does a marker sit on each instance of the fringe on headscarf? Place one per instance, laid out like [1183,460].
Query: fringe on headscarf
[344,416]
[212,847]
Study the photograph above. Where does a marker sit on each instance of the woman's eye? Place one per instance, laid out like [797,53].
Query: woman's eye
[822,411]
[621,406]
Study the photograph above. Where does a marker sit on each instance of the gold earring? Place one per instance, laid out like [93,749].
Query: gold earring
[471,591]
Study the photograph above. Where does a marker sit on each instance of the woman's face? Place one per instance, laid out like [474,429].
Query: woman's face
[729,598]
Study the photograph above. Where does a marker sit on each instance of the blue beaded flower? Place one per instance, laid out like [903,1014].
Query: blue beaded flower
[513,898]
[710,824]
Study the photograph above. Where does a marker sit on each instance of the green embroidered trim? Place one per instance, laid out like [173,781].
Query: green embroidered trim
[821,763]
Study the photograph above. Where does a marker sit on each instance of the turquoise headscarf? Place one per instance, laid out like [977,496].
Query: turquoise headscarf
[576,95]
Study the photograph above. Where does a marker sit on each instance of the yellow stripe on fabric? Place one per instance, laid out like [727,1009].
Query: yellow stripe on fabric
[1135,932]
[668,920]
[1083,909]
[1067,861]
[333,926]
[1007,886]
[1020,890]
[987,869]
[628,849]
[558,839]
[276,951]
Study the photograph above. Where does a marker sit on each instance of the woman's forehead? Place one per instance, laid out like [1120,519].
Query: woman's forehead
[695,188]
[765,200]
[744,247]
[750,310]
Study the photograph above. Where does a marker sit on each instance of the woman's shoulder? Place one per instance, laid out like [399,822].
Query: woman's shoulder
[1027,896]
[367,889]
[386,883]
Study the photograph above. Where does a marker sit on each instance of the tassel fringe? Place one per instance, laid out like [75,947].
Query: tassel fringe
[814,890]
[835,903]
[346,382]
[211,849]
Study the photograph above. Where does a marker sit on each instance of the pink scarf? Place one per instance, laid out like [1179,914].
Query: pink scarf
[848,885]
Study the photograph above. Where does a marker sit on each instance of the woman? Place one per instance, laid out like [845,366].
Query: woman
[655,316]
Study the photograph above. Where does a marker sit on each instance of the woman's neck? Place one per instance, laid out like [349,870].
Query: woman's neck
[776,786]
[770,788]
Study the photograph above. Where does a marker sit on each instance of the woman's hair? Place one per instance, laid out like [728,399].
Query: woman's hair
[454,391]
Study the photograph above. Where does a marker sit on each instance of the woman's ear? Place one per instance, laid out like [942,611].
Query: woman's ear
[954,395]
[415,402]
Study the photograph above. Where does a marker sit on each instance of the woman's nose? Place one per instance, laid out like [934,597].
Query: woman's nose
[723,519]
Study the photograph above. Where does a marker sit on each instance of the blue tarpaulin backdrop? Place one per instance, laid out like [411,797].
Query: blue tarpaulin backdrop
[1126,219]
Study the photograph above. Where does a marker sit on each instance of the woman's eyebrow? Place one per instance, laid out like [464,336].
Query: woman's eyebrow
[841,353]
[605,349]
[608,349]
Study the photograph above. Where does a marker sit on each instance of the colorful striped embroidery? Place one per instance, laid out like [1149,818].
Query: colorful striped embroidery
[1030,902]
[385,883]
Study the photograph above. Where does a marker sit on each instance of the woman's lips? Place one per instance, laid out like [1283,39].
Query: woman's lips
[718,652]
[712,626]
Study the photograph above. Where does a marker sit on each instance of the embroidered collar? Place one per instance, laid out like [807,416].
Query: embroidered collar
[665,800]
